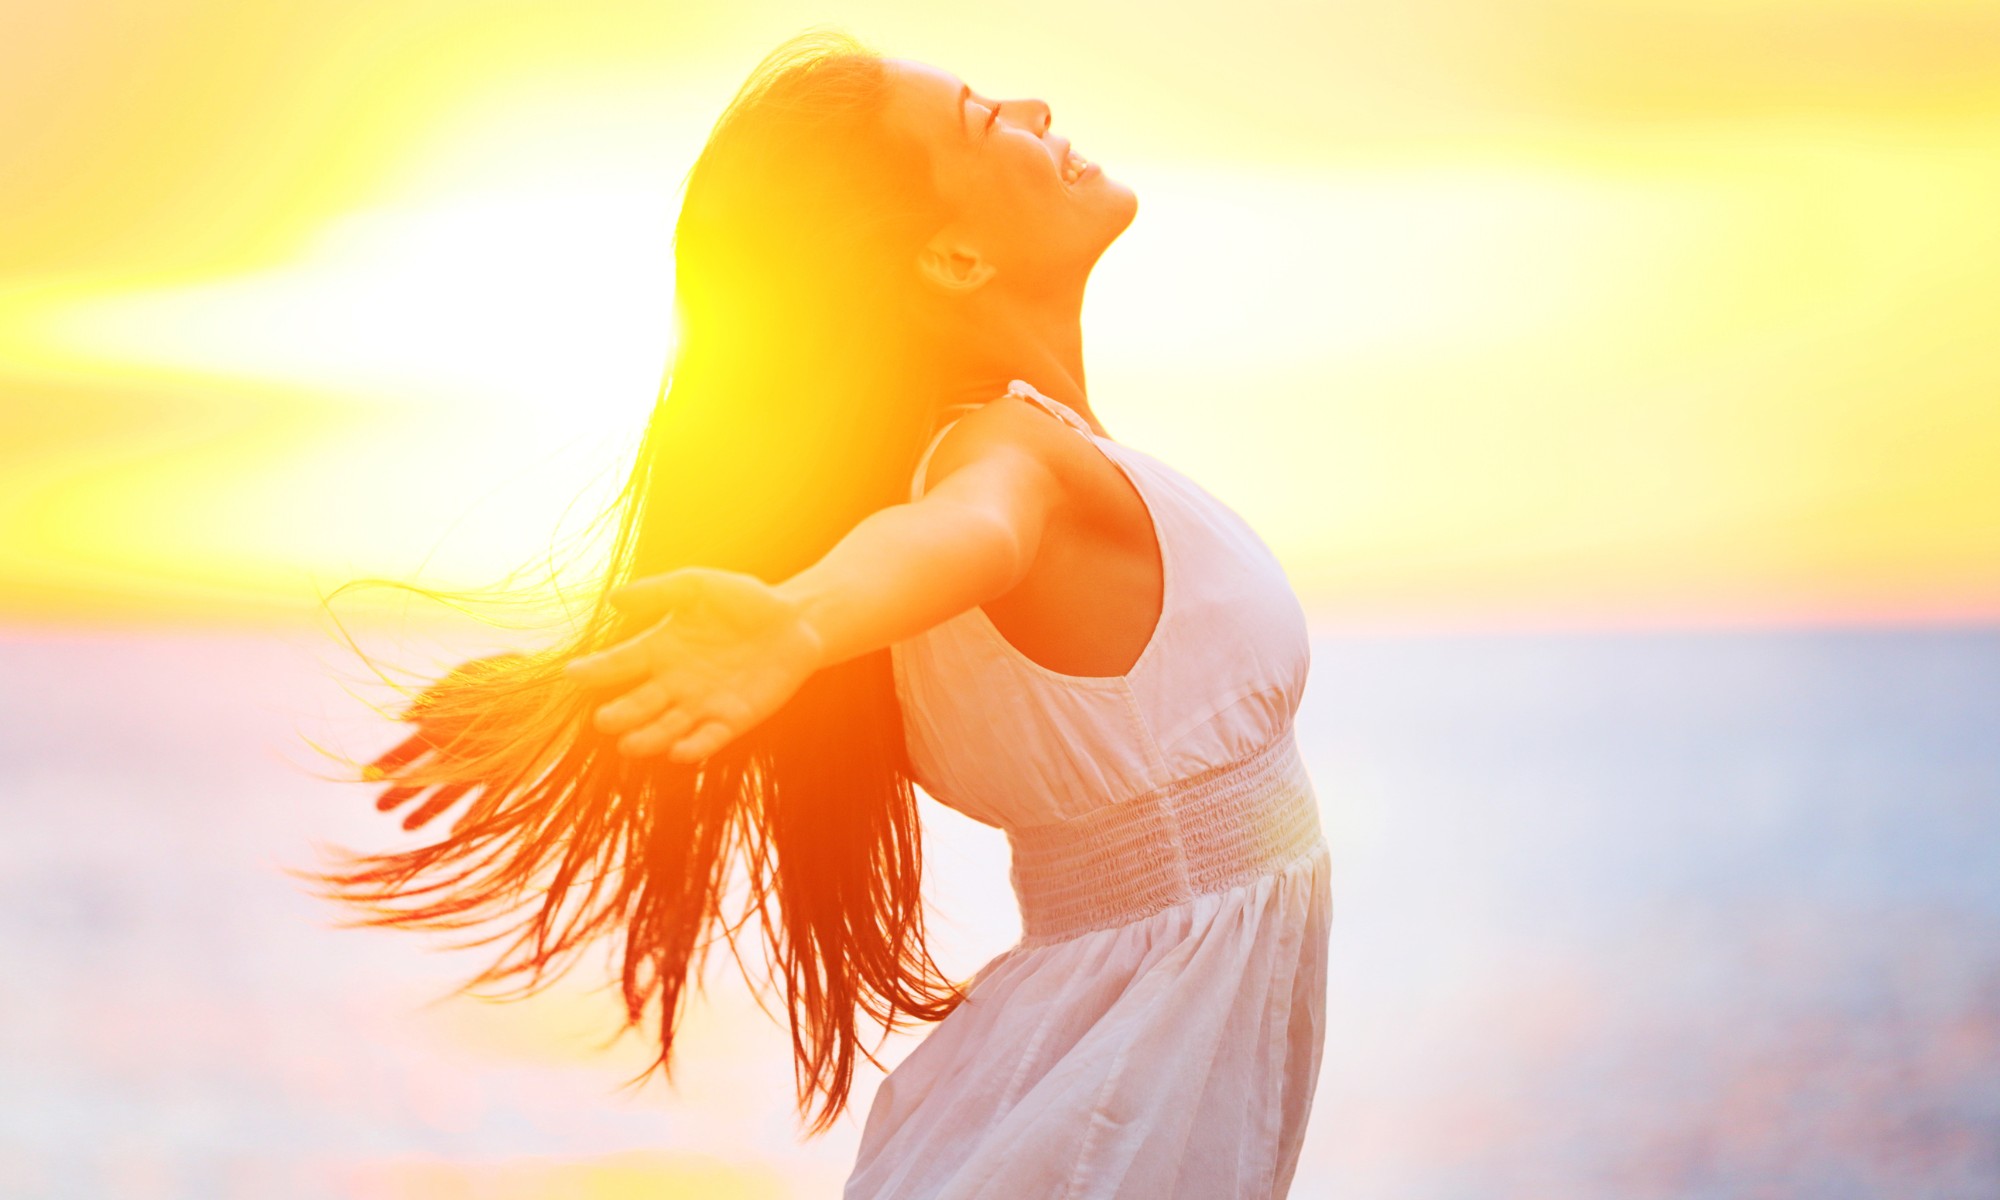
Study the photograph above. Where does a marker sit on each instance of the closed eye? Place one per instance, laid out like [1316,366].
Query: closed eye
[992,115]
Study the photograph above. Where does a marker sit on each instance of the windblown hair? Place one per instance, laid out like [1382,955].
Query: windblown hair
[797,401]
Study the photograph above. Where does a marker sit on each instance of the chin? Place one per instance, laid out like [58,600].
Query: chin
[1091,227]
[1128,204]
[1119,205]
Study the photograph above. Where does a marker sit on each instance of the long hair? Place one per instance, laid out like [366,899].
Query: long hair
[798,398]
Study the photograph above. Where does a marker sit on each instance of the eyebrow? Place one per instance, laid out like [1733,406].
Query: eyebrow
[964,94]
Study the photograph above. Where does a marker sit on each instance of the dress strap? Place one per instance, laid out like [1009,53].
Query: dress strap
[1020,388]
[1062,412]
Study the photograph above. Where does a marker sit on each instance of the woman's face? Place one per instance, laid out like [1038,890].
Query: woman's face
[1038,216]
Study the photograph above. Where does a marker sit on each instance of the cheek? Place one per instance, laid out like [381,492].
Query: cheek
[1027,173]
[1026,217]
[1022,208]
[1039,192]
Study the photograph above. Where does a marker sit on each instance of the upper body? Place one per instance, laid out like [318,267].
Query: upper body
[865,247]
[998,732]
[1019,517]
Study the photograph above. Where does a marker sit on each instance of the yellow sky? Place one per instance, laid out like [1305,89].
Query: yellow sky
[1482,310]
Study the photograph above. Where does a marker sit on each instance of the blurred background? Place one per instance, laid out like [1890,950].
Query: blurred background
[1617,380]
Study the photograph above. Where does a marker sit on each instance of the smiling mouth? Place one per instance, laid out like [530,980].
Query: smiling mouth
[1073,167]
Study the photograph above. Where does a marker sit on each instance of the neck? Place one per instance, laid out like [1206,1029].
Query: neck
[1041,344]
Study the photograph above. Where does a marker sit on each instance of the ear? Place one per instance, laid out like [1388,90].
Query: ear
[953,266]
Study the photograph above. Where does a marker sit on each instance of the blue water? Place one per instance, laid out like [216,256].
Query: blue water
[1616,916]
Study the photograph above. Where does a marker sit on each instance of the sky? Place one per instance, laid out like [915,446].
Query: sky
[1484,312]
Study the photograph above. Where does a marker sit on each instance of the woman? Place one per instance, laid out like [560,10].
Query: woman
[876,537]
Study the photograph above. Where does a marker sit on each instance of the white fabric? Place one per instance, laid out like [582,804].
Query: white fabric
[1157,1032]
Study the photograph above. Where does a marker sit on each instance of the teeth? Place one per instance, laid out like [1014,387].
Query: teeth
[1073,167]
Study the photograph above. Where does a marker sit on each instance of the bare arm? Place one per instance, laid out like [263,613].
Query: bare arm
[731,649]
[910,566]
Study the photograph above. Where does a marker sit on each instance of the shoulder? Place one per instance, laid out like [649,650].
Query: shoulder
[1011,428]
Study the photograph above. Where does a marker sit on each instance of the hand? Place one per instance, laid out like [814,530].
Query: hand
[729,650]
[432,736]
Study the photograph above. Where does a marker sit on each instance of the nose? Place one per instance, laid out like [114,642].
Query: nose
[1035,114]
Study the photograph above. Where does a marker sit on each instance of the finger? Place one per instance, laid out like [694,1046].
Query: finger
[655,737]
[712,736]
[395,756]
[617,664]
[446,797]
[634,708]
[651,596]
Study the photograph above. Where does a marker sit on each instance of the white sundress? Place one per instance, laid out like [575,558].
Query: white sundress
[1157,1031]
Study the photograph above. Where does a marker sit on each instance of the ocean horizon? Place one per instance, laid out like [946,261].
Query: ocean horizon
[1616,914]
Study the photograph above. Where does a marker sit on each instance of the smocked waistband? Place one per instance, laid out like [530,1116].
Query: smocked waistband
[1206,832]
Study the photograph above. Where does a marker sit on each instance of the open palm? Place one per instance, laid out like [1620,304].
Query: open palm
[727,652]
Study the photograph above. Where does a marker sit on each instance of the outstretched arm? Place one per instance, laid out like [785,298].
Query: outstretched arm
[729,650]
[910,566]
